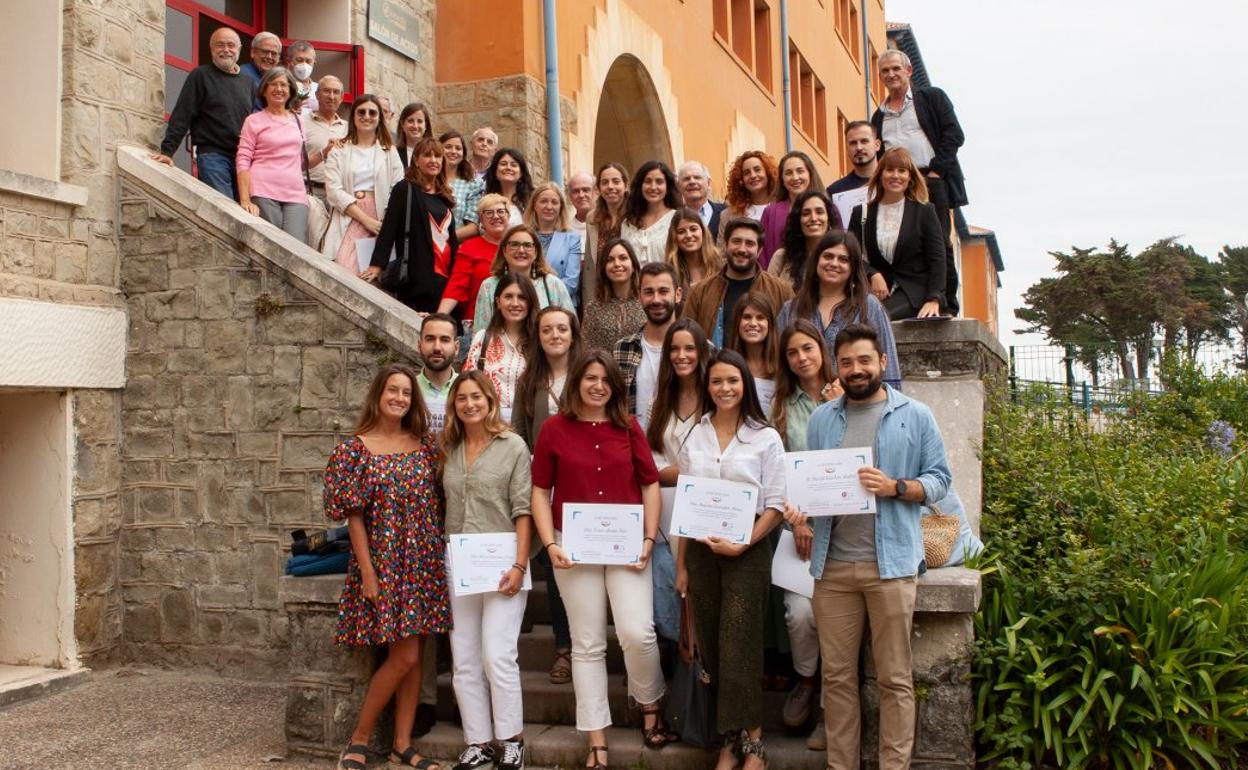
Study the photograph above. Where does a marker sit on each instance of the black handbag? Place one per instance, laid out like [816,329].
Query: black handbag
[394,275]
[690,708]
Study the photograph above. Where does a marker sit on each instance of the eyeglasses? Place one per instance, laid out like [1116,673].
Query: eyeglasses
[495,213]
[260,52]
[521,246]
[367,113]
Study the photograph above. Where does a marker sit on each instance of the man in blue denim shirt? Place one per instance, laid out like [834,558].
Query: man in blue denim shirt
[866,567]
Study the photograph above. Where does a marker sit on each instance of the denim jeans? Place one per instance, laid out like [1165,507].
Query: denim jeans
[217,171]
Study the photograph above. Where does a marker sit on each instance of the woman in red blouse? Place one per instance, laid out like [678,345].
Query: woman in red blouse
[594,451]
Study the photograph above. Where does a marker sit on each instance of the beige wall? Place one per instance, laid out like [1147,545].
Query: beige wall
[36,115]
[36,564]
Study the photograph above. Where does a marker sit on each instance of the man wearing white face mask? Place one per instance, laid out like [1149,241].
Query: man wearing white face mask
[301,61]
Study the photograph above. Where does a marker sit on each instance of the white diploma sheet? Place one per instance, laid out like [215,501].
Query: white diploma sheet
[714,507]
[478,562]
[364,248]
[788,571]
[825,482]
[602,534]
[845,202]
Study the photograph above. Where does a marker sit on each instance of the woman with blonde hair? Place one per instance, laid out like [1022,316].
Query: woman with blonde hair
[485,478]
[359,175]
[547,215]
[691,248]
[520,251]
[902,238]
[751,181]
[383,481]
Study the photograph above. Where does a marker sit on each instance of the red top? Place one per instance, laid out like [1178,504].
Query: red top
[585,462]
[472,266]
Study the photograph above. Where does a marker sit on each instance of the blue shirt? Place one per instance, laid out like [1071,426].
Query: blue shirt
[563,254]
[907,446]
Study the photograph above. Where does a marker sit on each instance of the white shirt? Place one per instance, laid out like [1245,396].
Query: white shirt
[755,211]
[362,169]
[888,227]
[647,380]
[902,129]
[754,456]
[766,390]
[649,244]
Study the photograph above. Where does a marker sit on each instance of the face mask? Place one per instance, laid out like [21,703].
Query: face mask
[303,71]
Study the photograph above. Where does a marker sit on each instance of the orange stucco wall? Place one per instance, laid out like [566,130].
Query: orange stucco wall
[709,84]
[979,283]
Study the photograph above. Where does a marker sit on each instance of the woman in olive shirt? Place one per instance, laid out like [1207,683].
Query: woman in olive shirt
[486,480]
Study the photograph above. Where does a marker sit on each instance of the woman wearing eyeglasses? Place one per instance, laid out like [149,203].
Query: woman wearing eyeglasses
[474,258]
[358,178]
[521,252]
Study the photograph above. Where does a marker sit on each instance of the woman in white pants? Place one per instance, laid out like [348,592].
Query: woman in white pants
[593,451]
[486,480]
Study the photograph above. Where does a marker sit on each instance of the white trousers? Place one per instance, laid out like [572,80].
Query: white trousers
[485,648]
[586,588]
[799,618]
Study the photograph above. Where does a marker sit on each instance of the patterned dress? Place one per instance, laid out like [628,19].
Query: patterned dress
[398,496]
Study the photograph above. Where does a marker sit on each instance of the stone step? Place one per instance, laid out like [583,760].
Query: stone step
[562,746]
[537,650]
[555,704]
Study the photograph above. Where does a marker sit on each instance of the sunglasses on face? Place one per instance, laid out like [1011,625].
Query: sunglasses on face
[367,113]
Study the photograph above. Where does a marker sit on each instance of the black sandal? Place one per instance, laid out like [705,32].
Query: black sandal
[660,735]
[593,752]
[353,764]
[410,753]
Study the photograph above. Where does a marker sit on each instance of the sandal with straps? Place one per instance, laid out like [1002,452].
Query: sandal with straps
[353,764]
[660,735]
[593,752]
[410,753]
[753,747]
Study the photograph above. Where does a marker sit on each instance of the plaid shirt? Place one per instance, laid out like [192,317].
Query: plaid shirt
[628,355]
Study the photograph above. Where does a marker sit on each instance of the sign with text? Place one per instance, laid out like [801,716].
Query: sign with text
[394,24]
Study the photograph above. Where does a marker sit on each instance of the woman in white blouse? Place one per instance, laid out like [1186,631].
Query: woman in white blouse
[499,349]
[359,174]
[756,336]
[652,202]
[727,583]
[679,400]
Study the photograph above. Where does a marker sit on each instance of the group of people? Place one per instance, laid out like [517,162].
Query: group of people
[610,336]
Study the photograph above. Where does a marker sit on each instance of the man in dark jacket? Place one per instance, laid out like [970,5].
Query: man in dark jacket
[923,121]
[214,101]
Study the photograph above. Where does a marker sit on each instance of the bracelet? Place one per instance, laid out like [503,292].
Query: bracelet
[518,566]
[647,537]
[548,545]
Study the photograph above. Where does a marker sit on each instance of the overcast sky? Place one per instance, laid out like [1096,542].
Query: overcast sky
[1091,120]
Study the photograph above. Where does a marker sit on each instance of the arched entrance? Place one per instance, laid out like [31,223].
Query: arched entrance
[630,127]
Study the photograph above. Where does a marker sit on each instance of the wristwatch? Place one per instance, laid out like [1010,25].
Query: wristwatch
[901,488]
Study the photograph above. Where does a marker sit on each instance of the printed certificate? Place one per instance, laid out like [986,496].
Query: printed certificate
[602,534]
[477,562]
[788,571]
[825,482]
[714,507]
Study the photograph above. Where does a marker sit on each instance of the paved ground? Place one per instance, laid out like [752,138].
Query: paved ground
[150,720]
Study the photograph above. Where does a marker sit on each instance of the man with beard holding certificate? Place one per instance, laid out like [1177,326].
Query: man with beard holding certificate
[867,566]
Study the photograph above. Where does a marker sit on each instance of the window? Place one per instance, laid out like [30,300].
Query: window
[808,100]
[743,28]
[877,85]
[855,42]
[845,20]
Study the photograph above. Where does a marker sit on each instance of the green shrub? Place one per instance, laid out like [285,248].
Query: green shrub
[1114,622]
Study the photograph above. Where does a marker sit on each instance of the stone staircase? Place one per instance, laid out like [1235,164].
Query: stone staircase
[550,713]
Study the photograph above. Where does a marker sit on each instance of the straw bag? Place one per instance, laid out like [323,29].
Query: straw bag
[940,535]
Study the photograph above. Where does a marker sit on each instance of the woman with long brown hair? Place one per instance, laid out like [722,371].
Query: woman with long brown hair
[603,223]
[797,175]
[359,175]
[465,184]
[755,334]
[383,481]
[613,311]
[810,218]
[420,220]
[834,295]
[691,249]
[751,180]
[593,451]
[499,349]
[415,124]
[486,482]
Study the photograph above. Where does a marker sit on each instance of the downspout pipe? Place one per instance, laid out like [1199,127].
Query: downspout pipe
[554,121]
[786,77]
[866,63]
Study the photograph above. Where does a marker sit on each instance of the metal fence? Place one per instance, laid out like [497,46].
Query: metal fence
[1057,368]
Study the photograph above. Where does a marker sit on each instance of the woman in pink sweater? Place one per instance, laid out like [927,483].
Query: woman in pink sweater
[270,157]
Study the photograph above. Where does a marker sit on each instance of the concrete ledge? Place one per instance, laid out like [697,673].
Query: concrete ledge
[314,589]
[44,189]
[309,270]
[957,348]
[949,590]
[39,683]
[52,345]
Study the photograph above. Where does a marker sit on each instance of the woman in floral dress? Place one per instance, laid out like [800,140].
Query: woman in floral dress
[384,481]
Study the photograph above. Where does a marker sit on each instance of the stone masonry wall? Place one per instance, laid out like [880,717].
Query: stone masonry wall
[388,72]
[240,384]
[515,107]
